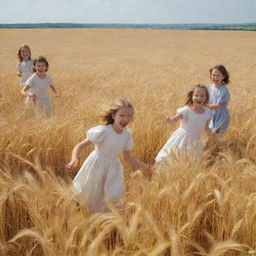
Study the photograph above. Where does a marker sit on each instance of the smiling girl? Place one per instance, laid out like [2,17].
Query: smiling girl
[194,118]
[25,65]
[219,98]
[101,176]
[36,87]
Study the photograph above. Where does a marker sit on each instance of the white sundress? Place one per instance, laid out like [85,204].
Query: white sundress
[39,87]
[187,136]
[101,175]
[26,70]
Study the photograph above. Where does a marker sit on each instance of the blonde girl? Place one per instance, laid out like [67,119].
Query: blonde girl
[25,65]
[101,176]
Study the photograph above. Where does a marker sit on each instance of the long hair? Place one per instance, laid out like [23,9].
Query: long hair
[223,71]
[189,101]
[107,116]
[19,52]
[40,59]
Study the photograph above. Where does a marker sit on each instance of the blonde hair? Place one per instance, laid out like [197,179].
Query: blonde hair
[19,52]
[189,101]
[107,116]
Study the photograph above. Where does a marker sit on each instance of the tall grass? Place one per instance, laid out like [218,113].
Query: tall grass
[205,208]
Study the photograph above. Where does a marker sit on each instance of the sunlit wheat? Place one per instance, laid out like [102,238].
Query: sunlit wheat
[205,208]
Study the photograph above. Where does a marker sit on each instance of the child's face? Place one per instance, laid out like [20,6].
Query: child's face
[217,77]
[122,118]
[199,97]
[40,68]
[24,53]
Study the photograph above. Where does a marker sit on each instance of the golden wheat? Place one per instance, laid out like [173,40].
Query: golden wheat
[206,208]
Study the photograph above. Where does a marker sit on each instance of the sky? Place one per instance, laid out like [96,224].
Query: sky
[128,11]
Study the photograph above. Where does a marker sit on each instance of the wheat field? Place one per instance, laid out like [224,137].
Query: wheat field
[207,208]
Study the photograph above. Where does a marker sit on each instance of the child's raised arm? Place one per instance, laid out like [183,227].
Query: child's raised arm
[135,162]
[173,119]
[75,153]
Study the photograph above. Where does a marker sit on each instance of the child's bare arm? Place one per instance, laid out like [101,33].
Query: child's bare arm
[135,162]
[53,89]
[173,119]
[19,73]
[216,106]
[207,129]
[75,153]
[25,92]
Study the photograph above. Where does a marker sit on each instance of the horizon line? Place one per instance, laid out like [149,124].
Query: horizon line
[132,23]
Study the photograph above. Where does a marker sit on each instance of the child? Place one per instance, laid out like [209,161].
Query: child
[101,175]
[36,87]
[25,66]
[194,118]
[219,97]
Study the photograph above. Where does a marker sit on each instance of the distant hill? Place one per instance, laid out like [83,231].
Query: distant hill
[242,26]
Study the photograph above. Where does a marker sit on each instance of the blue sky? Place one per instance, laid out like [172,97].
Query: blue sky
[128,11]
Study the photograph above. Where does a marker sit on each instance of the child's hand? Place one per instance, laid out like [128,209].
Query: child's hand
[168,119]
[32,96]
[71,166]
[19,74]
[216,131]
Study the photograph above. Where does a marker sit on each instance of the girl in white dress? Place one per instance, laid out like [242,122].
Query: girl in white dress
[194,118]
[101,176]
[36,86]
[25,65]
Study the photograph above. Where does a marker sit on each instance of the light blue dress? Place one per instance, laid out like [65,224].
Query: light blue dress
[220,118]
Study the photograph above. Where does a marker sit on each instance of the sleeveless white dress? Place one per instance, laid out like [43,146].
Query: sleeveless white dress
[187,136]
[101,176]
